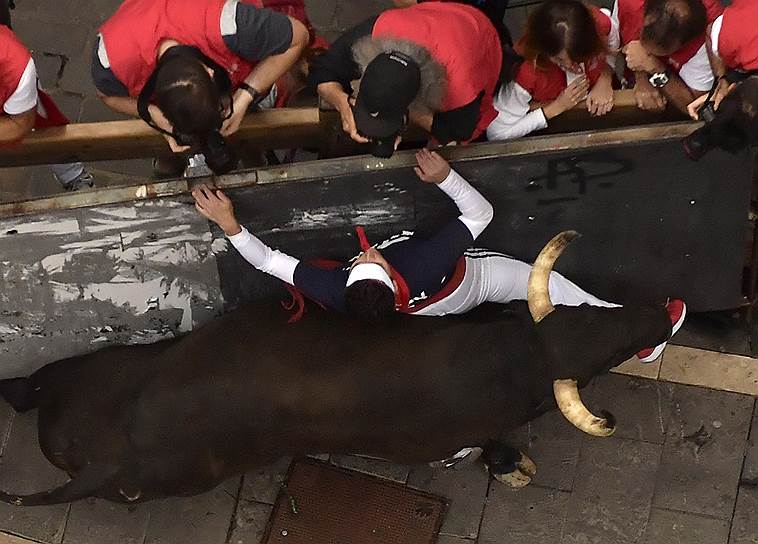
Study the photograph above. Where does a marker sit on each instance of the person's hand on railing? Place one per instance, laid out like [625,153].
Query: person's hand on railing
[570,97]
[600,97]
[648,98]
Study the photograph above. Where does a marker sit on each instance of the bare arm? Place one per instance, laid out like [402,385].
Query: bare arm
[16,127]
[678,93]
[333,93]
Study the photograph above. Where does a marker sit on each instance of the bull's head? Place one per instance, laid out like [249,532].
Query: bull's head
[584,341]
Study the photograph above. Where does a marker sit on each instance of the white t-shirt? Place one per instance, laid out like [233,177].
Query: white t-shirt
[25,97]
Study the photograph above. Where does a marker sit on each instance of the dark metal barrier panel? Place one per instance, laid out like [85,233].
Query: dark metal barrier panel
[654,224]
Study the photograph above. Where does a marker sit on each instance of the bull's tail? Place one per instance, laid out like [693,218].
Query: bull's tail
[19,393]
[84,484]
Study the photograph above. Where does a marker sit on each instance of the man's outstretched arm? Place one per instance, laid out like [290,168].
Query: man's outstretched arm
[476,211]
[216,206]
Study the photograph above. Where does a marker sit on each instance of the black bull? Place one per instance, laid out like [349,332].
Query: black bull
[133,423]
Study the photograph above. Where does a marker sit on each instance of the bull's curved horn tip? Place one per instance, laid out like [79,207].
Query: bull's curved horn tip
[573,409]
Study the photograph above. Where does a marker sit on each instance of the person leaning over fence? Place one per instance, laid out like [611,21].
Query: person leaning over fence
[27,107]
[207,63]
[568,57]
[431,276]
[664,45]
[732,42]
[435,64]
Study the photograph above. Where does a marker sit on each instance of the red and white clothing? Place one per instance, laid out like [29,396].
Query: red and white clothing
[443,274]
[734,35]
[533,83]
[236,34]
[459,37]
[690,61]
[20,92]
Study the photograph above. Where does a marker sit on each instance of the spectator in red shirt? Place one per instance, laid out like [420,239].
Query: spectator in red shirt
[26,107]
[568,57]
[732,41]
[253,45]
[664,45]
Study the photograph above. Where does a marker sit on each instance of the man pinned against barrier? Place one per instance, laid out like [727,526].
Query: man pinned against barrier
[407,273]
[192,72]
[732,41]
[664,45]
[27,107]
[435,65]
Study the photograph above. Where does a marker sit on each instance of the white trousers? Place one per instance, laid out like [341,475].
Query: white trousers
[494,277]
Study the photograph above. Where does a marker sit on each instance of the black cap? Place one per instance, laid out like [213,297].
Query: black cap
[390,83]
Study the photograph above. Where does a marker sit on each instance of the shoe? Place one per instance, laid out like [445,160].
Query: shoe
[677,311]
[83,180]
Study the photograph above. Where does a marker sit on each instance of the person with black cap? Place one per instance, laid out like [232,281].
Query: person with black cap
[197,70]
[433,276]
[434,64]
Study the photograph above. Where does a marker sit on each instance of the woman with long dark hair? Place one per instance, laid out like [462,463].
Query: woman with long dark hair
[568,51]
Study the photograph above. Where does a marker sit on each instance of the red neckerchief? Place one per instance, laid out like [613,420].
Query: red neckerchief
[403,294]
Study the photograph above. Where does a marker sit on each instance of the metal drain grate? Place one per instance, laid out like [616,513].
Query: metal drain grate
[323,504]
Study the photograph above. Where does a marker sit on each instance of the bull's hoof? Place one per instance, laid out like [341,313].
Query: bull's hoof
[515,475]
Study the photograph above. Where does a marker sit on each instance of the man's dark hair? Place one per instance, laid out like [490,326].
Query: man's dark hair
[670,24]
[188,96]
[370,301]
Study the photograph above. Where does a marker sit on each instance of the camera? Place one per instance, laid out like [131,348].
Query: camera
[219,155]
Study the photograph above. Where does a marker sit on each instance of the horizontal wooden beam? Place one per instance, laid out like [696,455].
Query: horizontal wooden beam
[271,129]
[316,171]
[624,113]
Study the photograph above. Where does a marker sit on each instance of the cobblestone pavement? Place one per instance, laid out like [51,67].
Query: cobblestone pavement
[682,467]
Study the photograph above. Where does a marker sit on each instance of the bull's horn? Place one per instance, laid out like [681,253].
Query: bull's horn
[538,294]
[571,406]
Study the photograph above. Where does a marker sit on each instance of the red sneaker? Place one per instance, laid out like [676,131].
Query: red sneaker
[677,310]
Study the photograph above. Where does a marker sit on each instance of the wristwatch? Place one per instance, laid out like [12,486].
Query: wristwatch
[659,79]
[254,93]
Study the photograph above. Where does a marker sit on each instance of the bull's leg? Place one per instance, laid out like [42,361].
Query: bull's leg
[508,465]
[19,393]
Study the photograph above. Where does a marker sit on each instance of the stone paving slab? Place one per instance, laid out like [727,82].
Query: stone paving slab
[667,527]
[553,444]
[445,539]
[750,469]
[642,407]
[6,418]
[250,522]
[744,525]
[715,370]
[532,515]
[613,490]
[466,490]
[13,539]
[375,467]
[97,521]
[704,451]
[263,485]
[203,518]
[23,469]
